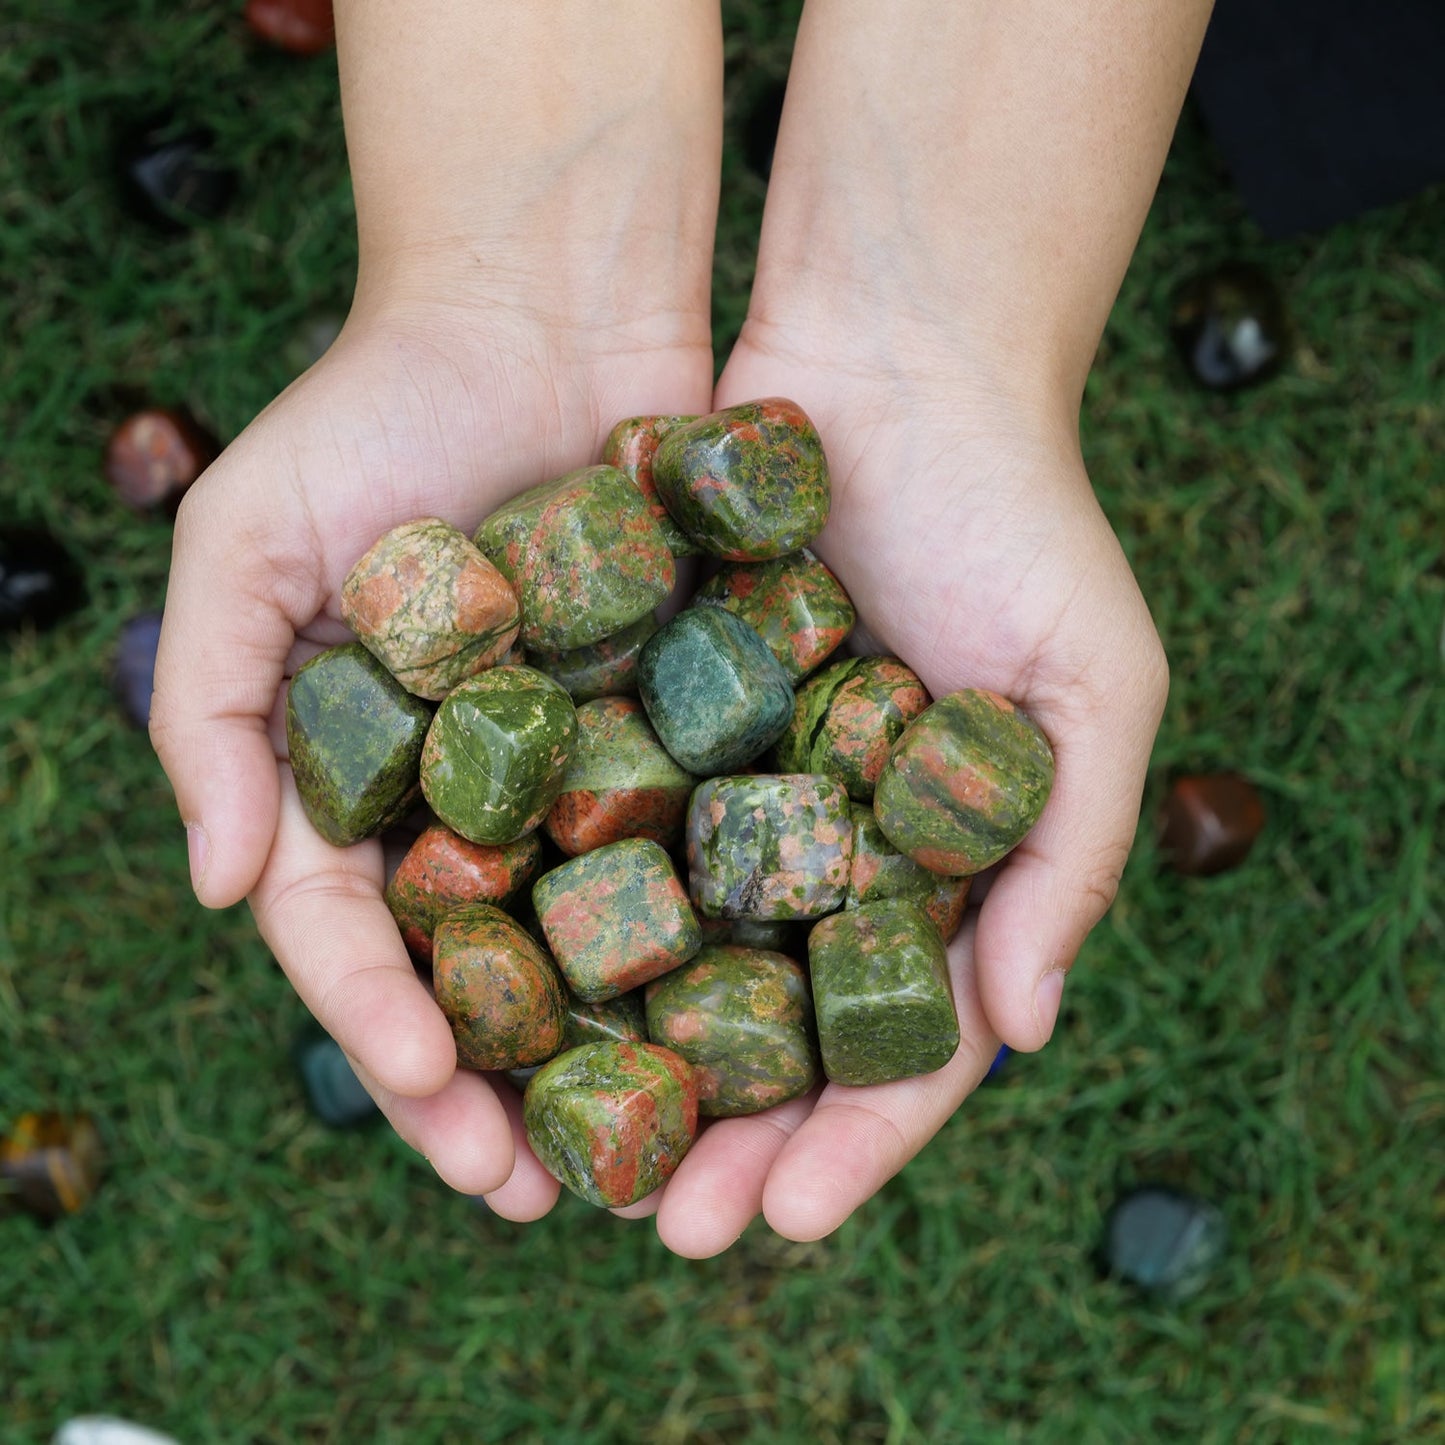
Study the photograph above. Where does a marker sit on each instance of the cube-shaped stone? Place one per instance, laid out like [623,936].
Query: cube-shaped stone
[1209,822]
[714,692]
[794,603]
[355,737]
[747,483]
[50,1163]
[621,782]
[500,991]
[879,871]
[428,604]
[847,719]
[622,1019]
[612,1121]
[965,782]
[615,918]
[768,846]
[743,1018]
[584,554]
[630,447]
[882,994]
[601,669]
[497,752]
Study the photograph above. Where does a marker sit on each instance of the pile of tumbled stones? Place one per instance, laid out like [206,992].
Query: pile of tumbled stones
[670,870]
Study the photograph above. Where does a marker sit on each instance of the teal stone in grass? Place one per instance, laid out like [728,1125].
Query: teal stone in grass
[496,753]
[882,994]
[743,1018]
[355,739]
[714,693]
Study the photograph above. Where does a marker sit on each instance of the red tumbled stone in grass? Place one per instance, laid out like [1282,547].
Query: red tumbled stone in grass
[1209,822]
[304,27]
[153,456]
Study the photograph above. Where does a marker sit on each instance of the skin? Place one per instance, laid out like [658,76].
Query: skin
[955,196]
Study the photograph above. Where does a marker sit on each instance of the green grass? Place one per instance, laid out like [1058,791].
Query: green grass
[1269,1037]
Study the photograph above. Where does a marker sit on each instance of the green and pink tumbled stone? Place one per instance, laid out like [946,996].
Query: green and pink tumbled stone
[612,1121]
[769,847]
[430,606]
[747,483]
[879,871]
[882,994]
[500,992]
[601,669]
[743,1018]
[616,918]
[631,447]
[964,783]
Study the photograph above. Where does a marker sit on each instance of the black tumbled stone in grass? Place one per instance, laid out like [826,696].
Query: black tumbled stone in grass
[1165,1242]
[1229,326]
[39,580]
[171,176]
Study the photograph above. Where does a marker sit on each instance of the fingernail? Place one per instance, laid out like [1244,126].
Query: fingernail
[1047,997]
[198,845]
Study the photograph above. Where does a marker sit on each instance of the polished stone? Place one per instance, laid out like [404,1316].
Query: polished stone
[1163,1241]
[133,671]
[40,583]
[170,174]
[153,457]
[601,669]
[51,1163]
[622,1019]
[630,447]
[336,1096]
[1229,326]
[303,27]
[1209,823]
[879,870]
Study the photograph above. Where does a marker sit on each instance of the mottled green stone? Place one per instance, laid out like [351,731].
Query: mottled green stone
[714,692]
[616,917]
[622,1019]
[794,603]
[768,847]
[964,783]
[584,554]
[631,447]
[497,752]
[847,719]
[355,737]
[882,994]
[612,1121]
[879,870]
[743,1018]
[747,483]
[602,669]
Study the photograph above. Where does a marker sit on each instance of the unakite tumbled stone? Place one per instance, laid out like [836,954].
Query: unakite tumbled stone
[768,846]
[964,783]
[501,993]
[584,555]
[630,447]
[442,870]
[601,669]
[743,1018]
[355,738]
[622,1019]
[620,783]
[847,719]
[882,994]
[616,917]
[496,753]
[879,870]
[428,604]
[747,483]
[794,603]
[714,692]
[612,1121]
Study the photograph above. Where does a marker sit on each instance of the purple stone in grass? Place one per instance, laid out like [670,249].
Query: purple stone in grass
[134,670]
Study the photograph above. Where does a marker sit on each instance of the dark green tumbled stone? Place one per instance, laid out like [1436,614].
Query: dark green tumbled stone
[497,752]
[747,483]
[882,994]
[714,692]
[622,1019]
[743,1018]
[601,669]
[879,870]
[355,738]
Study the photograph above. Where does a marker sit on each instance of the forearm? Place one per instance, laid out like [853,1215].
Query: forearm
[977,173]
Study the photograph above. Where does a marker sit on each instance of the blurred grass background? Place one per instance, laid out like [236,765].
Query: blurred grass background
[1269,1038]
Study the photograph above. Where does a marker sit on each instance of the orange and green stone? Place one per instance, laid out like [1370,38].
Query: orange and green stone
[743,1018]
[499,990]
[442,870]
[631,447]
[847,719]
[765,846]
[616,918]
[496,753]
[794,603]
[622,1019]
[355,736]
[428,604]
[714,692]
[882,995]
[584,554]
[601,669]
[964,783]
[620,783]
[747,483]
[612,1121]
[879,870]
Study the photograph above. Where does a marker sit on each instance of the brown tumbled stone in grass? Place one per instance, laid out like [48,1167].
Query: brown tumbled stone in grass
[428,604]
[630,447]
[879,870]
[743,1018]
[500,992]
[601,669]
